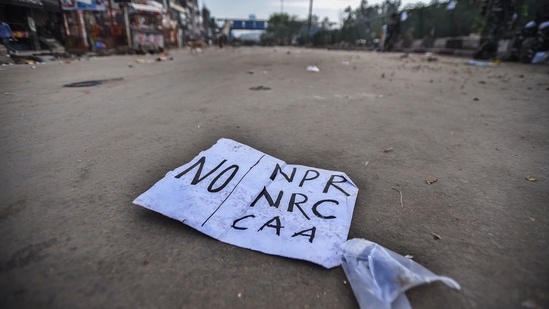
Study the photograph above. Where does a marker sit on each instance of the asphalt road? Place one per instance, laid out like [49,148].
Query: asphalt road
[73,160]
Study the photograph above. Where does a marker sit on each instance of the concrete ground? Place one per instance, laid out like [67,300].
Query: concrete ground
[73,160]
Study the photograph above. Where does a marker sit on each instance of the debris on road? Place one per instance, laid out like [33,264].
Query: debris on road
[248,215]
[380,277]
[430,182]
[164,58]
[313,68]
[390,149]
[530,178]
[397,190]
[90,83]
[314,221]
[430,58]
[260,88]
[484,63]
[144,60]
[436,236]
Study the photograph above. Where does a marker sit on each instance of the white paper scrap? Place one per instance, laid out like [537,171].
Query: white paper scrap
[380,277]
[246,198]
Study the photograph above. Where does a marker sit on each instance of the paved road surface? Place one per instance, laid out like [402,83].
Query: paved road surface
[73,159]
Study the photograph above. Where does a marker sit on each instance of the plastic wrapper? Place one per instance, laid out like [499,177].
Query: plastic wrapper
[380,277]
[482,63]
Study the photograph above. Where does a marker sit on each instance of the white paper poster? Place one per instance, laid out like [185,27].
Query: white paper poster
[249,199]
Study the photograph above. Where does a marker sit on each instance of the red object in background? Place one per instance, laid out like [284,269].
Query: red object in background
[20,34]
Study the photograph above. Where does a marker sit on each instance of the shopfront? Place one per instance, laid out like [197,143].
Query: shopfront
[89,22]
[33,22]
[178,18]
[146,25]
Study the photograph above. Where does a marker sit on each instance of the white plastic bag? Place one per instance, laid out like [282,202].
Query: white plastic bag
[379,277]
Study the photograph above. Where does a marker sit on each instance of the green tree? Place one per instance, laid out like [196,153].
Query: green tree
[325,35]
[366,21]
[282,27]
[423,20]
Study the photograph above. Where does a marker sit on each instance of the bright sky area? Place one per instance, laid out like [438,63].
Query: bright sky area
[262,9]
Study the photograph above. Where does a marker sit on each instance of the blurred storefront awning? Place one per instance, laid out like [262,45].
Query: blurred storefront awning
[48,5]
[145,8]
[177,7]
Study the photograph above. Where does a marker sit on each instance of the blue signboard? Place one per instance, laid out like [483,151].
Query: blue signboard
[85,5]
[260,25]
[249,25]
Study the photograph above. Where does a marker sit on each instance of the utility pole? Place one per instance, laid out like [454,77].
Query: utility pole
[310,18]
[111,21]
[281,6]
[127,21]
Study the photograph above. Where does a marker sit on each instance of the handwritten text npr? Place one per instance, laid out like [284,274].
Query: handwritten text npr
[297,202]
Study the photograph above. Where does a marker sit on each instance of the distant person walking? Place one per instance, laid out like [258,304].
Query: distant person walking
[393,31]
[6,34]
[221,40]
